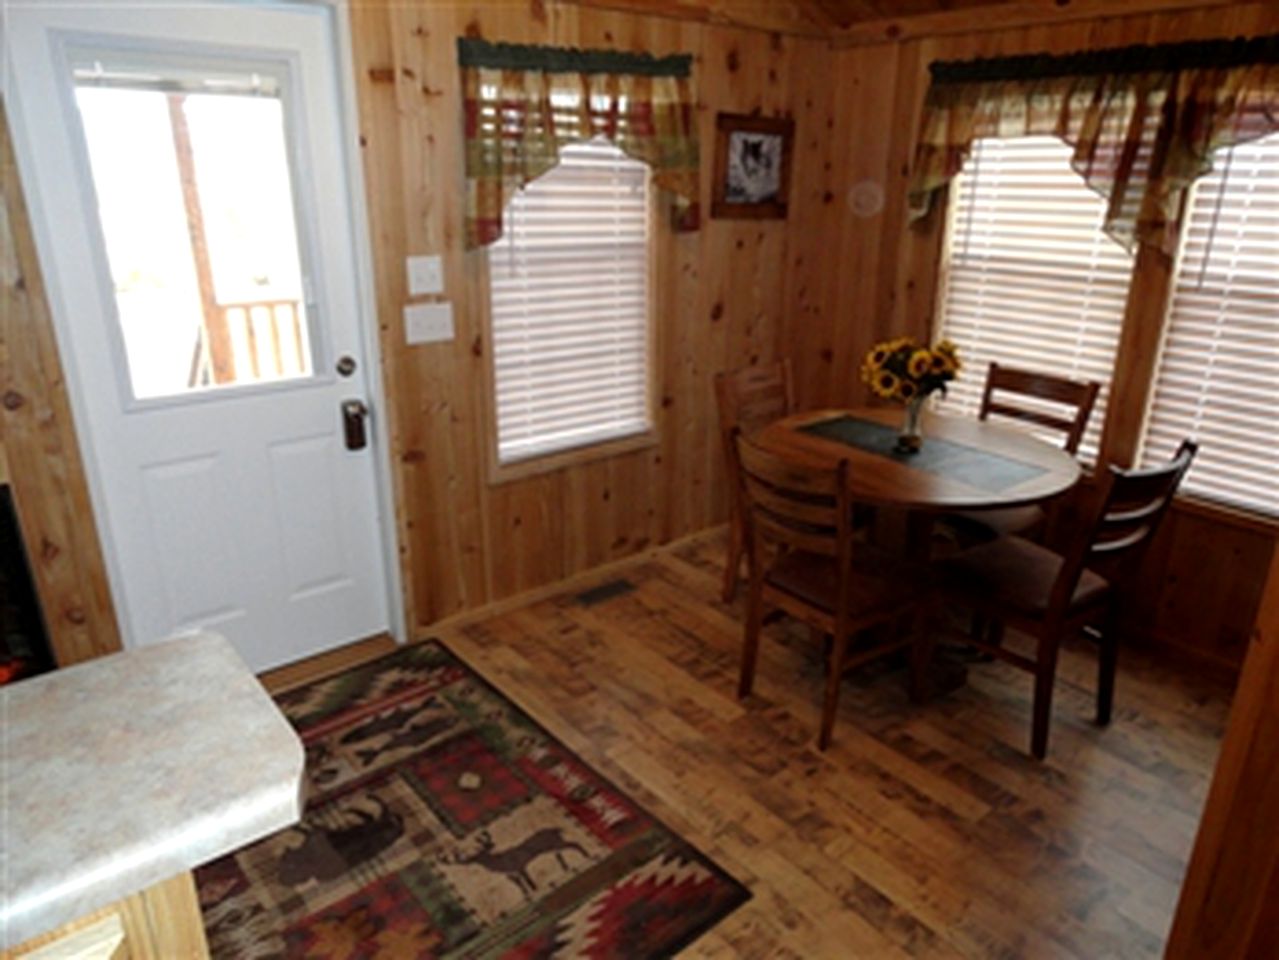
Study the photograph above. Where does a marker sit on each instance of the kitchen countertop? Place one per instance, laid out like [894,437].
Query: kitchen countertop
[124,771]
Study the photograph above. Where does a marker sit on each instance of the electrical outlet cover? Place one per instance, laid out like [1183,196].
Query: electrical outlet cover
[426,276]
[428,322]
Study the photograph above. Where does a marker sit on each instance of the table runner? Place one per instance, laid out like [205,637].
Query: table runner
[982,469]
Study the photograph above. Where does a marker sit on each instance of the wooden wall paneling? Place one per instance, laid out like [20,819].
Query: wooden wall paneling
[1227,907]
[448,529]
[467,542]
[775,16]
[743,260]
[1206,609]
[1005,16]
[817,202]
[40,449]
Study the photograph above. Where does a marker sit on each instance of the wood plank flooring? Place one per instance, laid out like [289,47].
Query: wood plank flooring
[925,831]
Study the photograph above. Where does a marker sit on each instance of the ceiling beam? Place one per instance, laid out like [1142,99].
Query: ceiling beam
[794,17]
[1003,16]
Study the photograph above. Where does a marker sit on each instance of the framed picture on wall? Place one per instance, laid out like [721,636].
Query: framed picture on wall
[752,167]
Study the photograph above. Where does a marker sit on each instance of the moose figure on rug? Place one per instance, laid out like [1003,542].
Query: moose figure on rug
[513,862]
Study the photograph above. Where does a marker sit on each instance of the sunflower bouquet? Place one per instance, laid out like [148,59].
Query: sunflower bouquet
[902,370]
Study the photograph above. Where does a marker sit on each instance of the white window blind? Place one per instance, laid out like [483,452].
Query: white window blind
[570,306]
[1218,379]
[1031,280]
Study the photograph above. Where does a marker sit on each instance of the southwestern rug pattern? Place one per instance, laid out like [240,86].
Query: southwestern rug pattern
[442,821]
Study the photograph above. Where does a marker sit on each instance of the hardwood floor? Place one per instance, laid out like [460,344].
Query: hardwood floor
[924,831]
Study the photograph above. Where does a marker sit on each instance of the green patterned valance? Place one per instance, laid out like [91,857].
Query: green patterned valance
[1143,122]
[520,105]
[474,52]
[1195,55]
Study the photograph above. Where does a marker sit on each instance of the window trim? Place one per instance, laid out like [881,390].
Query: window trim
[499,473]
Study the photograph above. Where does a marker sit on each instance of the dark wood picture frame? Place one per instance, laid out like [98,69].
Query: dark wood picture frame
[724,203]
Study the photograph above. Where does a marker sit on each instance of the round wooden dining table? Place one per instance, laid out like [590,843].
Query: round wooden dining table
[965,464]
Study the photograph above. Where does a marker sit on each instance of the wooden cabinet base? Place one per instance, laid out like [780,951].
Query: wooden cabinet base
[160,923]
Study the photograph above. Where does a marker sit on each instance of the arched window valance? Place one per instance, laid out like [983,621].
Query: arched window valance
[523,103]
[1143,121]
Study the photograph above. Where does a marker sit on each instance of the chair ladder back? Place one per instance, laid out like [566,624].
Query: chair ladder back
[791,506]
[754,396]
[1126,517]
[1137,501]
[1081,395]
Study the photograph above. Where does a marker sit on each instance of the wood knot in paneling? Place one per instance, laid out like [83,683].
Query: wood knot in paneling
[382,74]
[75,615]
[13,400]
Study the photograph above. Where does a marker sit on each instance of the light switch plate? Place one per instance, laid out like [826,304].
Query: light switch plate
[428,322]
[426,276]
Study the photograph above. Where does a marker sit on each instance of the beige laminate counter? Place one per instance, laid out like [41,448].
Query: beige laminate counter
[123,772]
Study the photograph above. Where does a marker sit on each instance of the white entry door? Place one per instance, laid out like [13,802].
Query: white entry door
[185,166]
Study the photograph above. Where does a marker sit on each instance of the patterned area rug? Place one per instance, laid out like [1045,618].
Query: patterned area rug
[443,822]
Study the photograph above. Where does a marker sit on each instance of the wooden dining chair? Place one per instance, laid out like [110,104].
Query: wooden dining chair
[803,560]
[748,399]
[1014,582]
[1005,386]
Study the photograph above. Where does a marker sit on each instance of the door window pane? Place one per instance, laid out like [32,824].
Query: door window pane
[196,206]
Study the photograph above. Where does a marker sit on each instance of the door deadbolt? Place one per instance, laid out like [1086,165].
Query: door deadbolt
[346,366]
[355,414]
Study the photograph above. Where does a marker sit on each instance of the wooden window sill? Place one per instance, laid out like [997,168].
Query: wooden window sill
[1224,513]
[500,473]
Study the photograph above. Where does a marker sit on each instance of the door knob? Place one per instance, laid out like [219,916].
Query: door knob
[354,415]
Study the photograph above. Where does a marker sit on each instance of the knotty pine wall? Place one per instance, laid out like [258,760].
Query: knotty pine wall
[39,455]
[720,301]
[853,281]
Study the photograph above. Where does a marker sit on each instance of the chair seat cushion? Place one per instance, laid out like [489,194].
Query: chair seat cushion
[879,583]
[1017,574]
[976,526]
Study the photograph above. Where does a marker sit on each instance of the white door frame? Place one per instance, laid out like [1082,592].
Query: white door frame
[353,163]
[365,299]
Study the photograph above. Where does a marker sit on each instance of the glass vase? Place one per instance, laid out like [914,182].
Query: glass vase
[911,437]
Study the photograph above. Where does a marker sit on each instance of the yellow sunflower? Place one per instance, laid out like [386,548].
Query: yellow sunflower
[885,384]
[906,390]
[919,363]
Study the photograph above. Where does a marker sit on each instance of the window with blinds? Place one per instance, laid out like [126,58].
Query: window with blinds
[1218,376]
[1031,280]
[569,306]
